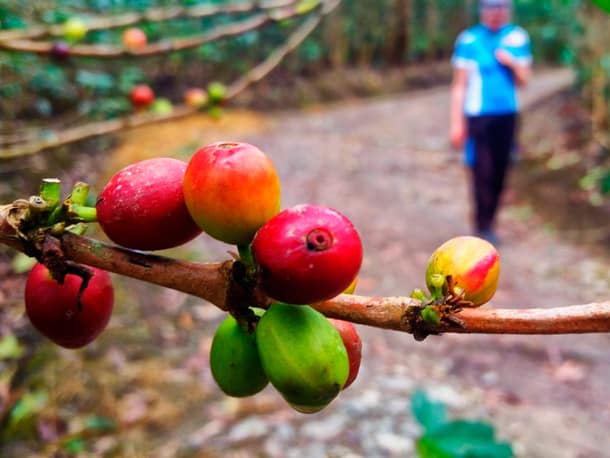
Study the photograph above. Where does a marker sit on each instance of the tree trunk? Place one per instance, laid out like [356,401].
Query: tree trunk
[399,37]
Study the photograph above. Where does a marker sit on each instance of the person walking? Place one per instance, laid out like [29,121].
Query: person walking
[490,60]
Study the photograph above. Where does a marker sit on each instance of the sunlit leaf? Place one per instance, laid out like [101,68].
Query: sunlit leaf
[603,4]
[22,263]
[10,348]
[29,404]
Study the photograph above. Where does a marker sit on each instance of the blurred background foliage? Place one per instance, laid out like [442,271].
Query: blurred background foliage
[361,33]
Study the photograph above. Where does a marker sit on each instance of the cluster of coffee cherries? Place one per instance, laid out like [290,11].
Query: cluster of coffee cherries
[142,96]
[295,257]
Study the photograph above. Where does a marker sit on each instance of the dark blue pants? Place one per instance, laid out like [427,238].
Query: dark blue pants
[493,138]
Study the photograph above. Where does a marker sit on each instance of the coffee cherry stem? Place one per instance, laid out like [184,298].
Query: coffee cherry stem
[420,295]
[50,191]
[72,210]
[79,193]
[78,228]
[245,255]
[80,213]
[430,316]
[85,274]
[437,284]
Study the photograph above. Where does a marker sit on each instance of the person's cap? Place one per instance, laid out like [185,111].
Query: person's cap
[495,3]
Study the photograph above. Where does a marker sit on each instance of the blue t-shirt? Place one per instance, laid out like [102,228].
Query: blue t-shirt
[490,86]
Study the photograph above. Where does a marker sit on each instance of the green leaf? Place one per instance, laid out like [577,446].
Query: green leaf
[74,445]
[29,404]
[22,263]
[109,107]
[10,348]
[48,79]
[129,77]
[11,21]
[603,4]
[428,448]
[465,429]
[604,185]
[97,81]
[100,423]
[463,439]
[431,415]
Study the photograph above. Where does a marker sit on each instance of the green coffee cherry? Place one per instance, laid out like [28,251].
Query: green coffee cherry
[234,360]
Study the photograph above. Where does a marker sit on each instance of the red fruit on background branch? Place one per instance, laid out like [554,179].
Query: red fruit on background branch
[231,189]
[195,97]
[60,50]
[53,308]
[142,96]
[142,206]
[472,263]
[353,345]
[134,38]
[307,254]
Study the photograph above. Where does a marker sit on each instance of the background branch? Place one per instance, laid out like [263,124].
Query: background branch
[256,73]
[178,44]
[149,15]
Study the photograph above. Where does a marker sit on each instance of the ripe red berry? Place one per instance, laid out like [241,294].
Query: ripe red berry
[353,345]
[142,206]
[307,254]
[53,308]
[142,96]
[60,50]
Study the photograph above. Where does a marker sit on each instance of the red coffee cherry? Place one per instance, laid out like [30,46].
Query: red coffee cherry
[353,345]
[307,254]
[142,206]
[142,96]
[53,308]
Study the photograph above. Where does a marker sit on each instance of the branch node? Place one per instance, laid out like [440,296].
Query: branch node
[51,254]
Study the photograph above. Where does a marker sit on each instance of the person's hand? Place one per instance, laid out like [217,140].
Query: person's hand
[457,135]
[505,57]
[520,71]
